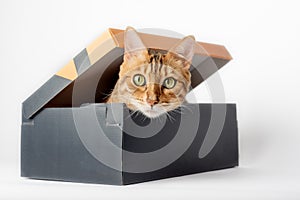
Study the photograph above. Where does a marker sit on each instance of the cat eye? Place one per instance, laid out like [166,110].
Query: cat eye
[169,83]
[139,80]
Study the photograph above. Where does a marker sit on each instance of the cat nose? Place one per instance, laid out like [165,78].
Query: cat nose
[152,102]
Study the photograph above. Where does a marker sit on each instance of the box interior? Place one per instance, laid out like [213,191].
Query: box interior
[98,81]
[85,86]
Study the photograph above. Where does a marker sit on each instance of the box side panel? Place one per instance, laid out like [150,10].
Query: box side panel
[52,149]
[224,154]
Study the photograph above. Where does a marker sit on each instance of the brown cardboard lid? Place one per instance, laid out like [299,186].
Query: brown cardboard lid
[97,66]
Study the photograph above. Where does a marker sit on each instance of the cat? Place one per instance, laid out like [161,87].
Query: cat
[150,81]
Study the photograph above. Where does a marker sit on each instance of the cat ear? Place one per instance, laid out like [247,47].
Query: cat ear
[133,45]
[184,49]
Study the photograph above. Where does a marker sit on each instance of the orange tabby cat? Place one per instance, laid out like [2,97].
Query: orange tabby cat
[150,81]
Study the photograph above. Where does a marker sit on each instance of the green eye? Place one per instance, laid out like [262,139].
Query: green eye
[169,83]
[139,80]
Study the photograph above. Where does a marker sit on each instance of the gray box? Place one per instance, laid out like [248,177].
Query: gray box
[52,148]
[68,136]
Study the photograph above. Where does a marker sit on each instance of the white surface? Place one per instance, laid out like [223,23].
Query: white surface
[37,38]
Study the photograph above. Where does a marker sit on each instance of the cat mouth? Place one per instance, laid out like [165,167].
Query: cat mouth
[152,113]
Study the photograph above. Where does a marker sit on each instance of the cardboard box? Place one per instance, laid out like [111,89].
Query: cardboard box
[68,135]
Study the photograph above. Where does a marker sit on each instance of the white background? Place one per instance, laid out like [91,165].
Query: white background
[39,37]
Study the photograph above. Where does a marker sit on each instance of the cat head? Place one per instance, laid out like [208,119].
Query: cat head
[151,81]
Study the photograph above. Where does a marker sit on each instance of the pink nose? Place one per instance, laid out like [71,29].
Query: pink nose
[151,102]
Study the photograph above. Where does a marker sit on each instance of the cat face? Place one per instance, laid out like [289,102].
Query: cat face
[153,82]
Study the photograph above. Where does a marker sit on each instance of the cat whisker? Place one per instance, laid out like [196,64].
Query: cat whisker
[177,111]
[169,116]
[145,117]
[137,113]
[106,95]
[131,114]
[159,118]
[187,108]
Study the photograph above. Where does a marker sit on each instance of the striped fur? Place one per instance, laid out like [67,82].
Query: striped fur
[152,99]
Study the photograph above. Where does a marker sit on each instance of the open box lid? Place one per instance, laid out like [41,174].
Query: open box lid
[99,63]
